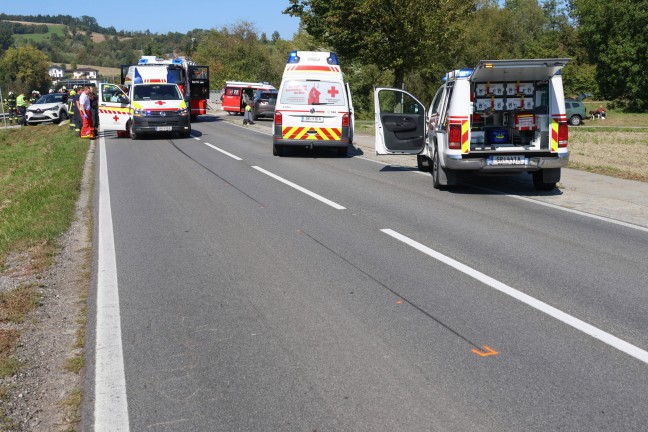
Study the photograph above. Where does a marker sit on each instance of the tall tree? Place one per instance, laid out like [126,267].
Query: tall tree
[616,38]
[396,35]
[25,68]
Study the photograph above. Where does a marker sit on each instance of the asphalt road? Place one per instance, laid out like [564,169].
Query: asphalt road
[317,293]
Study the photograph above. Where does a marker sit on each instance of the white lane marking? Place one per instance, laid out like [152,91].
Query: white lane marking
[301,189]
[111,405]
[224,152]
[566,209]
[196,138]
[595,332]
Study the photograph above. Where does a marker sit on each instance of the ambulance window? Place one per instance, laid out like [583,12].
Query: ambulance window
[436,102]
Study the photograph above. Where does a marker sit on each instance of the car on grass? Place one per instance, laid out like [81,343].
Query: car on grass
[575,111]
[51,107]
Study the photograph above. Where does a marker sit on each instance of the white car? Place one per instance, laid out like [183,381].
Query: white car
[51,107]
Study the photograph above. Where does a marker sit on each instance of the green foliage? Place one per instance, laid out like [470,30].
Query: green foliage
[25,69]
[614,34]
[367,30]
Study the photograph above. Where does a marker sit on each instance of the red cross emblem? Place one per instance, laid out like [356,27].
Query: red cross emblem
[116,117]
[333,92]
[160,103]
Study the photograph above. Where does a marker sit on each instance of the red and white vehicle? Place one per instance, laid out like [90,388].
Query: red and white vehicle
[192,80]
[238,93]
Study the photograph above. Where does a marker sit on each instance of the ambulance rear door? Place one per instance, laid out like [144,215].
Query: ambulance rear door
[400,123]
[114,111]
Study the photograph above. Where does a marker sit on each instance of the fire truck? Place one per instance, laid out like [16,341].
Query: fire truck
[193,80]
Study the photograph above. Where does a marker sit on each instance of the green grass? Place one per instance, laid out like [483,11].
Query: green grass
[58,29]
[40,177]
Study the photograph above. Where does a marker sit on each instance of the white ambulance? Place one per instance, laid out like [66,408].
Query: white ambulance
[146,104]
[314,107]
[503,117]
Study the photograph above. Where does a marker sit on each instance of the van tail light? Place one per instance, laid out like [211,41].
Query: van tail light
[345,120]
[563,135]
[454,137]
[278,118]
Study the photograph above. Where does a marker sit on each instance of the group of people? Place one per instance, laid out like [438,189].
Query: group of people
[82,107]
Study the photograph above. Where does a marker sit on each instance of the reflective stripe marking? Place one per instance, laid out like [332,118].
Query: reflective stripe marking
[311,133]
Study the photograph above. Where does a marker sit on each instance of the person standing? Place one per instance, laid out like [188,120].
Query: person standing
[11,104]
[87,130]
[78,121]
[72,109]
[21,104]
[94,109]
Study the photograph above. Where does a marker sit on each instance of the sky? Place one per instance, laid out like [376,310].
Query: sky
[163,16]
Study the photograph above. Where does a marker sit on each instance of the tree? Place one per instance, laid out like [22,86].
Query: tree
[275,36]
[397,35]
[25,68]
[614,34]
[6,37]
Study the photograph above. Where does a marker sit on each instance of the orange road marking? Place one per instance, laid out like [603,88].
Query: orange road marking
[488,351]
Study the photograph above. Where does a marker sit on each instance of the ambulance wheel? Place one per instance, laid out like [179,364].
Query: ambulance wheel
[540,184]
[276,150]
[131,131]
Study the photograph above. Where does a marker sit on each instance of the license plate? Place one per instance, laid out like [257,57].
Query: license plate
[310,119]
[163,128]
[507,160]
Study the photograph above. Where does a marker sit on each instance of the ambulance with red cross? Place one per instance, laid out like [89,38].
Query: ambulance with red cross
[314,107]
[147,103]
[502,117]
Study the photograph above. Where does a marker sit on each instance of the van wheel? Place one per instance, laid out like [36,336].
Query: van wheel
[131,131]
[276,150]
[539,184]
[423,163]
[436,168]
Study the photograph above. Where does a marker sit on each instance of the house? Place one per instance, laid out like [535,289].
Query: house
[56,72]
[87,73]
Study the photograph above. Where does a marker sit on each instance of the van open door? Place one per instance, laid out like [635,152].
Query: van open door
[114,110]
[400,124]
[351,114]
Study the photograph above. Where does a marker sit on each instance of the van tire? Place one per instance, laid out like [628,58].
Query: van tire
[540,184]
[436,171]
[131,130]
[276,150]
[423,163]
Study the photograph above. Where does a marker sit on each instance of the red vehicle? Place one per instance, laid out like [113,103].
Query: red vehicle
[238,93]
[193,80]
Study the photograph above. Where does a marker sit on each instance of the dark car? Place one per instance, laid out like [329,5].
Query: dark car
[264,104]
[575,111]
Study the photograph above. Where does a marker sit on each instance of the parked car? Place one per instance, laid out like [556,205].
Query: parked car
[51,107]
[575,111]
[264,103]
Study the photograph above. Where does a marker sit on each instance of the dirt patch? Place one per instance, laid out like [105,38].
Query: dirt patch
[38,396]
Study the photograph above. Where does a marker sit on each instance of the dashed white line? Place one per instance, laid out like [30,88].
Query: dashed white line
[301,189]
[584,327]
[224,152]
[111,405]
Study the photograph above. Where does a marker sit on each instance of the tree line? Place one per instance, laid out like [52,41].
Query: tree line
[403,43]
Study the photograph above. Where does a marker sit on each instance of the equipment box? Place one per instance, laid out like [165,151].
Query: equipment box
[525,89]
[490,104]
[487,89]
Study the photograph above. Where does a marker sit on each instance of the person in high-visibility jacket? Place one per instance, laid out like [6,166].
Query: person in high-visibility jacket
[21,104]
[11,104]
[72,109]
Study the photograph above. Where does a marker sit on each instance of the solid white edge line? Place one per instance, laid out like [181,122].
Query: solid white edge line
[111,405]
[301,189]
[224,152]
[569,210]
[576,323]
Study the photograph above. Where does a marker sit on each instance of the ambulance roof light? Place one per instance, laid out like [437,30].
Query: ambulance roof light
[465,72]
[177,61]
[293,57]
[333,60]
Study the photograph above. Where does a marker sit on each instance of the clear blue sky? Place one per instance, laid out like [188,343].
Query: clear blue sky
[163,16]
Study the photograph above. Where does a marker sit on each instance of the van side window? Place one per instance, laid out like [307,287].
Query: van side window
[399,103]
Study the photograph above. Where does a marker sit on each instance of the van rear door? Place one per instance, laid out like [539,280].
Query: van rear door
[517,70]
[400,124]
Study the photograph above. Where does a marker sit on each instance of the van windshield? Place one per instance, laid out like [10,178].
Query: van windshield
[302,92]
[157,92]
